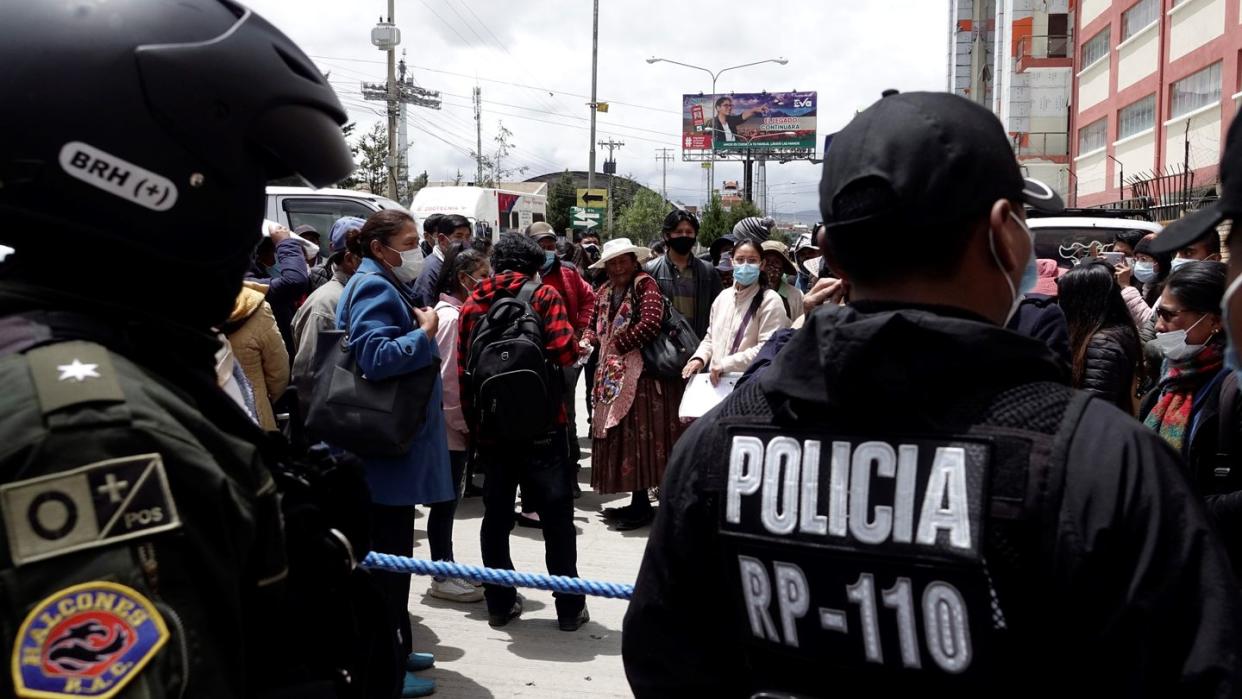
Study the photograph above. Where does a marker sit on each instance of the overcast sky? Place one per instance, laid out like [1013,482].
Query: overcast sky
[848,52]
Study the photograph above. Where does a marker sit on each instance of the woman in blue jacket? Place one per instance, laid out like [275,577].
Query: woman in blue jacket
[390,336]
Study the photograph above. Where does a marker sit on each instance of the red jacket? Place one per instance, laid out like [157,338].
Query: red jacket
[577,294]
[558,334]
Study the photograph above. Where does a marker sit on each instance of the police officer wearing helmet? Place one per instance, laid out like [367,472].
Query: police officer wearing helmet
[143,552]
[911,498]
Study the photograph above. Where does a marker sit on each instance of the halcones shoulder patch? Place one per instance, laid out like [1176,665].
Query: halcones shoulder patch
[88,640]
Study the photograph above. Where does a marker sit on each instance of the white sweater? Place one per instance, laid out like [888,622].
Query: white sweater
[727,312]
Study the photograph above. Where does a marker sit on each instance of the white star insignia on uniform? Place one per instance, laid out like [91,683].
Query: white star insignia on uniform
[77,371]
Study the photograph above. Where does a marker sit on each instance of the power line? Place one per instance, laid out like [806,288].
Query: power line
[451,27]
[564,125]
[506,82]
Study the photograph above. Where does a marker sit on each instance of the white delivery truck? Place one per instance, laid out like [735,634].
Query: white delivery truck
[491,211]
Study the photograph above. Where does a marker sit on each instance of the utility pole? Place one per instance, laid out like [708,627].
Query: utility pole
[478,128]
[665,155]
[594,76]
[610,167]
[392,108]
[395,94]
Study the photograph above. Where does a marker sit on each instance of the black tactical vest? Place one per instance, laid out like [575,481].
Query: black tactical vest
[870,558]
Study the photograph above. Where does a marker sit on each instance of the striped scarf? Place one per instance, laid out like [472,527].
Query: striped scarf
[1171,415]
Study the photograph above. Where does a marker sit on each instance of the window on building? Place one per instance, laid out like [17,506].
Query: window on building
[1196,90]
[1093,136]
[1137,117]
[1140,14]
[1058,35]
[1095,48]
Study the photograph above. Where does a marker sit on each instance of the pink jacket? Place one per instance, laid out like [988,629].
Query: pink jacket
[448,310]
[1139,310]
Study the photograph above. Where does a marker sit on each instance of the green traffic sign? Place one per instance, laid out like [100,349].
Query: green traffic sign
[586,218]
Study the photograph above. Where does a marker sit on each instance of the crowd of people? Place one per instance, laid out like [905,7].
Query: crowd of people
[1034,461]
[1143,332]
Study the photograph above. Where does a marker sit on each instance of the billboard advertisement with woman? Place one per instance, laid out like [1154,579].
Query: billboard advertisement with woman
[748,121]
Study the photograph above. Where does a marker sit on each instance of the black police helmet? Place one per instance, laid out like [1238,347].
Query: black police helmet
[151,128]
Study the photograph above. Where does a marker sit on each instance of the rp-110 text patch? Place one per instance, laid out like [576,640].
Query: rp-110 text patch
[95,505]
[860,553]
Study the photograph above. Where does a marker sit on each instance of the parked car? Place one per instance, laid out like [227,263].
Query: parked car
[298,206]
[1068,239]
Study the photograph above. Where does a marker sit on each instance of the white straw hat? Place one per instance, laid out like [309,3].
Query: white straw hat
[621,246]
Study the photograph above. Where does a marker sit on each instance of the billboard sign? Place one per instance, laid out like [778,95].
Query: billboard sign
[748,121]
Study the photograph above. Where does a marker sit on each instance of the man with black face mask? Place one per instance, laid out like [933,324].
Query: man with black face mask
[690,284]
[145,552]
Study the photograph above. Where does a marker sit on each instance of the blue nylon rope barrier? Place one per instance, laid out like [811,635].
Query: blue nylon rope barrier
[495,576]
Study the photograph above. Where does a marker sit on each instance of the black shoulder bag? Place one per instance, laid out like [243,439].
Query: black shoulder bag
[369,418]
[666,355]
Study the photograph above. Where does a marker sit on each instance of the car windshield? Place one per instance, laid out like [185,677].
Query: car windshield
[1069,244]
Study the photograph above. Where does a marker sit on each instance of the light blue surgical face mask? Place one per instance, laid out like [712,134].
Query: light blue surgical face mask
[549,259]
[1145,271]
[1179,262]
[746,274]
[1030,275]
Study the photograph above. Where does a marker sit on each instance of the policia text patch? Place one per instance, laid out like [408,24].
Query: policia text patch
[859,553]
[91,506]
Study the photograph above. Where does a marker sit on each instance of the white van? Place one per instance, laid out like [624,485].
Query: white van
[490,211]
[303,206]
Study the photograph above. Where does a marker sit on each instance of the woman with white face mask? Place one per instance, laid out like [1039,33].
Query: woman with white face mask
[1184,408]
[1148,272]
[743,317]
[390,337]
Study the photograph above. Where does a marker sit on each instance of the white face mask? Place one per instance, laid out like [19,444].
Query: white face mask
[1030,275]
[411,265]
[1178,262]
[1173,344]
[1145,271]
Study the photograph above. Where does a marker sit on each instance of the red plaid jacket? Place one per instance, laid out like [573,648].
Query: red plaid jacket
[558,333]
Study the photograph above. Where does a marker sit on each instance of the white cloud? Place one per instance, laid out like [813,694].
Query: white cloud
[848,52]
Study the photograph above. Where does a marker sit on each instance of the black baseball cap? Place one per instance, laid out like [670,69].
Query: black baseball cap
[934,157]
[1195,226]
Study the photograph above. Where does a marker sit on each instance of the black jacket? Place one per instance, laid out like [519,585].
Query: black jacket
[285,292]
[1138,598]
[1212,456]
[1108,369]
[706,278]
[1040,317]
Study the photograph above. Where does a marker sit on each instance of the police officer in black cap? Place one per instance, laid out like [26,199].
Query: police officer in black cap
[142,551]
[911,498]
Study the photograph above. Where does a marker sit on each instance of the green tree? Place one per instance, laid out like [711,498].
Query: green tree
[740,211]
[493,170]
[562,195]
[373,170]
[715,222]
[641,220]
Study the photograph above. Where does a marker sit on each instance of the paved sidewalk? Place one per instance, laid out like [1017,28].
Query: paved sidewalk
[530,657]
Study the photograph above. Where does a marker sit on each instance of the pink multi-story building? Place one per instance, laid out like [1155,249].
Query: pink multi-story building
[1156,84]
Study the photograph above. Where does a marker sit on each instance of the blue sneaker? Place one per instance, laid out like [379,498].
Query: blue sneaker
[415,686]
[419,661]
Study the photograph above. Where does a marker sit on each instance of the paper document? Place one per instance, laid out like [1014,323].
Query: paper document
[701,396]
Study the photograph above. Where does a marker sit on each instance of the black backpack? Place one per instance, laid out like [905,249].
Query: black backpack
[515,391]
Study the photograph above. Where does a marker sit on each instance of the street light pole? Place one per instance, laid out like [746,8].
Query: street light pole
[711,177]
[594,75]
[1121,176]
